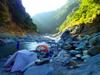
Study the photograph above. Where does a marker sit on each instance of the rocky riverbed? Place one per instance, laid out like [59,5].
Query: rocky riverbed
[71,55]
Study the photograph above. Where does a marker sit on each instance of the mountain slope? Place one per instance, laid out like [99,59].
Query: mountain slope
[48,22]
[86,17]
[14,19]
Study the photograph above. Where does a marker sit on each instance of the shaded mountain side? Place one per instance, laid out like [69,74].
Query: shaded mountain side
[85,20]
[48,22]
[14,19]
[45,22]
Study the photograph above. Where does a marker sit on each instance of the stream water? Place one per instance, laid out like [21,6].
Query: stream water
[10,48]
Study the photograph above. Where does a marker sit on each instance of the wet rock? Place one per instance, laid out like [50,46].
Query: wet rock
[94,50]
[72,64]
[43,61]
[8,41]
[67,46]
[83,44]
[85,56]
[62,58]
[2,42]
[54,50]
[66,36]
[45,69]
[60,43]
[74,52]
[95,34]
[68,41]
[95,40]
[90,67]
[95,44]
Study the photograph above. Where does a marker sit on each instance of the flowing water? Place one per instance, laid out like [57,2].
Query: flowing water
[10,48]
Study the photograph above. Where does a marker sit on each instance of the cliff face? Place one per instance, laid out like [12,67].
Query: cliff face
[85,20]
[14,19]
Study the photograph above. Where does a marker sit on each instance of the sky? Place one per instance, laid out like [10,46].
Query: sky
[34,7]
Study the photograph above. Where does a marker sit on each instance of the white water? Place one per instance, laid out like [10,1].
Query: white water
[32,45]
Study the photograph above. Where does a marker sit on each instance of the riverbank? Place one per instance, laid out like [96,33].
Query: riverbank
[71,55]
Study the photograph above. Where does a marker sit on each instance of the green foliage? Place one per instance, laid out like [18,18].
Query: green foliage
[67,9]
[4,15]
[86,13]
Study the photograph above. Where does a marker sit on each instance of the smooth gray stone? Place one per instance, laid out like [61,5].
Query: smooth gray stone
[45,69]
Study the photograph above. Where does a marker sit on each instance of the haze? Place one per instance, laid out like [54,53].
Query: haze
[34,7]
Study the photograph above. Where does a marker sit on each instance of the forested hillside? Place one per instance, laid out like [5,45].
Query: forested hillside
[86,17]
[14,19]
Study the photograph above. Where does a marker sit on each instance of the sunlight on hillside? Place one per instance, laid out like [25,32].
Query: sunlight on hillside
[87,13]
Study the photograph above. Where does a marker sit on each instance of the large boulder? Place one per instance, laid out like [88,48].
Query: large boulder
[95,44]
[45,69]
[62,58]
[2,42]
[83,43]
[66,36]
[91,67]
[95,40]
[94,50]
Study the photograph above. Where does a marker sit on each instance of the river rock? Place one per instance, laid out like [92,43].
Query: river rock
[45,69]
[74,52]
[90,67]
[67,46]
[62,58]
[2,42]
[66,36]
[95,41]
[94,50]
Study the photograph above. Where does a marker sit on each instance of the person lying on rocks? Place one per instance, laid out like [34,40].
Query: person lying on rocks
[21,59]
